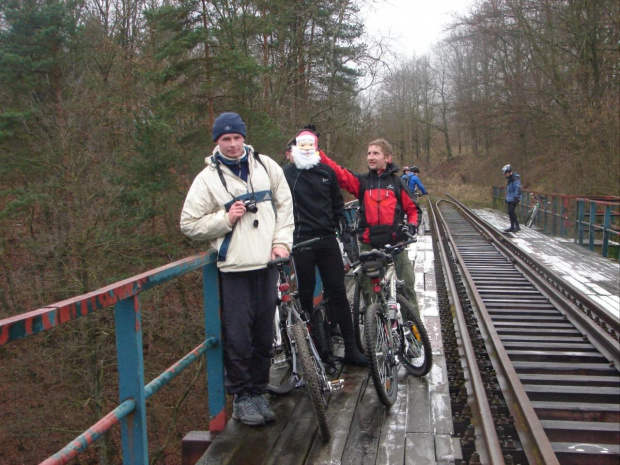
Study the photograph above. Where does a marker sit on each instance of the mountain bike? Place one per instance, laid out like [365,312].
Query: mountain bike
[539,200]
[393,331]
[296,361]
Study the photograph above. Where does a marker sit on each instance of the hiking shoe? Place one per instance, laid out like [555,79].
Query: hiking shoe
[509,230]
[245,411]
[263,407]
[516,229]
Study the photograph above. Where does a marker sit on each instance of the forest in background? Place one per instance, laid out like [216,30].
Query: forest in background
[105,115]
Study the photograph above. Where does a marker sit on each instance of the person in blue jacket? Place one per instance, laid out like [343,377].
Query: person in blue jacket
[413,180]
[513,197]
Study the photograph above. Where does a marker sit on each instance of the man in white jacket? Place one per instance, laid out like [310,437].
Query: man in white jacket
[241,202]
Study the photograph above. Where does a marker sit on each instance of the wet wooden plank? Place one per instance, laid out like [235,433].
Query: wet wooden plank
[340,415]
[365,431]
[441,410]
[238,440]
[419,414]
[295,440]
[433,329]
[392,440]
[226,445]
[420,449]
[447,449]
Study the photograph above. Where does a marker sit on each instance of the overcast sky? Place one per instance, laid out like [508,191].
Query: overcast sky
[414,25]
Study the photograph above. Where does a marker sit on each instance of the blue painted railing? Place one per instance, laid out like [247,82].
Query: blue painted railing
[592,222]
[125,297]
[600,222]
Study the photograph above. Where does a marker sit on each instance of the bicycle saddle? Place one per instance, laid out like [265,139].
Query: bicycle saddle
[373,254]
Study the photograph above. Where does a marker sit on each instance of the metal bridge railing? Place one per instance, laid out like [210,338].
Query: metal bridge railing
[599,221]
[593,222]
[125,297]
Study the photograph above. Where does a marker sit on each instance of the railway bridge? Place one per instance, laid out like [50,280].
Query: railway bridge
[524,330]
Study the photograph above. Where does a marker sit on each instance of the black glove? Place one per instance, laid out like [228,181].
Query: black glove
[412,229]
[404,230]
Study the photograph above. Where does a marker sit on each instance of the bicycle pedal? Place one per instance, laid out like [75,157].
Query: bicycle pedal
[336,384]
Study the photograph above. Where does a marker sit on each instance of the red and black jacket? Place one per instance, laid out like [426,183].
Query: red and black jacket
[383,199]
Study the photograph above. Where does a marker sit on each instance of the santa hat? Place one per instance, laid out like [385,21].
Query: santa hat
[307,136]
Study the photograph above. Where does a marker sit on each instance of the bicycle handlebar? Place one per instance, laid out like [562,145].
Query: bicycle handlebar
[296,248]
[385,251]
[301,245]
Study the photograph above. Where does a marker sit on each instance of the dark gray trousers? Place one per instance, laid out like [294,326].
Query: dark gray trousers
[512,214]
[249,301]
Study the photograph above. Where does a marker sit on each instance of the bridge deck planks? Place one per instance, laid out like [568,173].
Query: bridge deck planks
[340,416]
[363,430]
[416,430]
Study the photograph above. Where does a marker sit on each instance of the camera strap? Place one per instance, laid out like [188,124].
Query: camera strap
[216,161]
[259,196]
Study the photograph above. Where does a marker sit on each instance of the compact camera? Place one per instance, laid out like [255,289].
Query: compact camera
[250,205]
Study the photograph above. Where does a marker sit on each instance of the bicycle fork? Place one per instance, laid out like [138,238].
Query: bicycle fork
[326,384]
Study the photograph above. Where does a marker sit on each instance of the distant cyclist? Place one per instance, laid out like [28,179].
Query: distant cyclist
[513,197]
[412,176]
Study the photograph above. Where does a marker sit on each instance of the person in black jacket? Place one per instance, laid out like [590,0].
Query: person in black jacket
[318,208]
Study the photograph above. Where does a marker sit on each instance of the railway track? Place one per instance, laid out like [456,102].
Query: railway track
[532,364]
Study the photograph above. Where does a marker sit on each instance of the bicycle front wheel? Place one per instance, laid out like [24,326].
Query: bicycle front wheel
[415,346]
[311,377]
[380,352]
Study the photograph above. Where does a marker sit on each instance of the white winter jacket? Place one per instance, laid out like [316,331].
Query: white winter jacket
[244,246]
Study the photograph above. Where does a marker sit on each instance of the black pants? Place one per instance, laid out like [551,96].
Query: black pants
[249,300]
[325,255]
[512,214]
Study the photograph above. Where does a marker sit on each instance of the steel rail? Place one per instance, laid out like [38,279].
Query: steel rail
[582,311]
[483,414]
[536,445]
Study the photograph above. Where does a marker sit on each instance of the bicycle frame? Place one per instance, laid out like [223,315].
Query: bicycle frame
[385,286]
[390,339]
[291,318]
[536,207]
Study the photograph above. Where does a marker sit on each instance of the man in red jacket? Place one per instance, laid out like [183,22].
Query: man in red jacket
[384,200]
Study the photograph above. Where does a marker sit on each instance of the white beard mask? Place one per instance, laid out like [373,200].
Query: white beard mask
[304,162]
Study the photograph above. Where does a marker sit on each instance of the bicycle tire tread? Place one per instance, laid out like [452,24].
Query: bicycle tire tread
[413,317]
[387,395]
[311,378]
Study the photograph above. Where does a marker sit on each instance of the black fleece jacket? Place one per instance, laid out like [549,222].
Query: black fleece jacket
[317,202]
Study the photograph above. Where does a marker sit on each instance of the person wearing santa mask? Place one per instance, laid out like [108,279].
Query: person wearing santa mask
[318,209]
